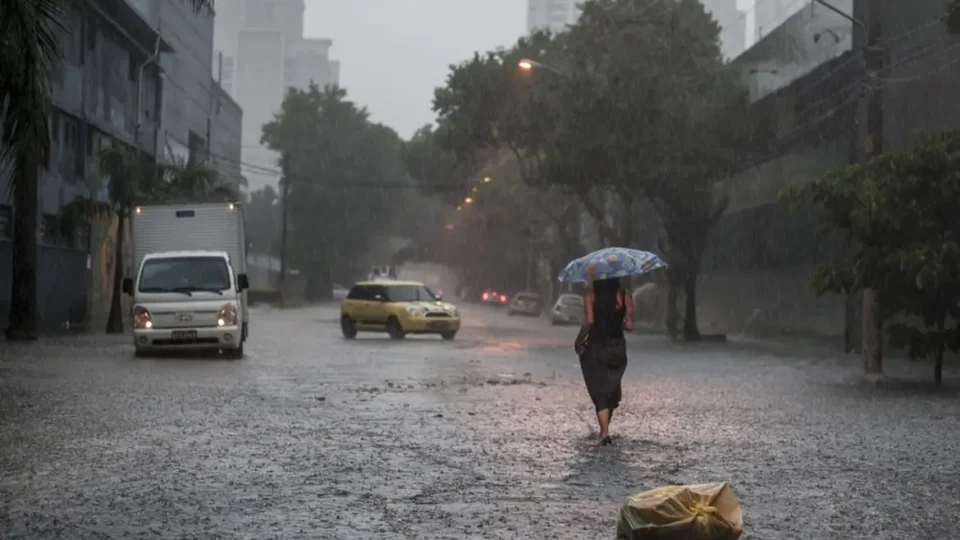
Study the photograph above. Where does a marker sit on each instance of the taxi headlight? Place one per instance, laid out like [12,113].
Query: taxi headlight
[415,311]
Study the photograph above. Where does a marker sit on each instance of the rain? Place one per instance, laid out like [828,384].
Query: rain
[502,269]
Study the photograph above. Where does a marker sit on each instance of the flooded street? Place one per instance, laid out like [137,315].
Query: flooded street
[490,436]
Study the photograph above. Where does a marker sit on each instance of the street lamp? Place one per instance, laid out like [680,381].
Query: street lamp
[449,226]
[468,200]
[487,179]
[528,65]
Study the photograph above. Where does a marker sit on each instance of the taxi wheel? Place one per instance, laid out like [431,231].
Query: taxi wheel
[348,327]
[394,328]
[448,336]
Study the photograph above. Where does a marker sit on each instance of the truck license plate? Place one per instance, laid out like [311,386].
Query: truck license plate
[185,335]
[437,324]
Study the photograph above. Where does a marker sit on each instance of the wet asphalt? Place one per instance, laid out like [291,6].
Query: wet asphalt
[490,436]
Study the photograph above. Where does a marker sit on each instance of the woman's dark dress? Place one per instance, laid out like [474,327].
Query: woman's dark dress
[604,359]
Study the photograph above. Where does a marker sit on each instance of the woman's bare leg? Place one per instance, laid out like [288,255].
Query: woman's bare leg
[603,416]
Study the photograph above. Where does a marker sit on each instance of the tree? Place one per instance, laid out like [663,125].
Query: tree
[129,181]
[900,209]
[29,54]
[952,17]
[341,171]
[263,221]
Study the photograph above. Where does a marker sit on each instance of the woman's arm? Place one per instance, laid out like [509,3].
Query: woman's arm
[628,318]
[588,308]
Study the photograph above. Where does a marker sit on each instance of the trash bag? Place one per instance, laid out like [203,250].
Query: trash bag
[696,512]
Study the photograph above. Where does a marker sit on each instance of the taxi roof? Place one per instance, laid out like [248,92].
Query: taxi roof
[389,283]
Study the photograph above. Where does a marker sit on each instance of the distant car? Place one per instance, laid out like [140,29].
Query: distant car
[491,297]
[568,309]
[340,292]
[397,308]
[525,303]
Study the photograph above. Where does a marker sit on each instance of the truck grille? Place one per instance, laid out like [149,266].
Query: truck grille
[438,314]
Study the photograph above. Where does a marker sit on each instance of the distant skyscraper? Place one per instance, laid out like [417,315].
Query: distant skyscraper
[733,26]
[551,14]
[264,54]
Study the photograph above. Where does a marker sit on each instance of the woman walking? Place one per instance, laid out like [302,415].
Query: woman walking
[602,348]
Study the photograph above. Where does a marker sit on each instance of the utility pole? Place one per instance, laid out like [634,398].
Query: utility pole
[873,147]
[284,190]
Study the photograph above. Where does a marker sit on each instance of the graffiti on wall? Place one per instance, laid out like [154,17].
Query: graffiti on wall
[103,249]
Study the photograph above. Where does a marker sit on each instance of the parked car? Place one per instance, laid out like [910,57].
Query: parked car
[568,309]
[491,297]
[397,308]
[525,303]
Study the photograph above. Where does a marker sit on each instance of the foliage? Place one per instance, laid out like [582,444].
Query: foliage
[628,106]
[952,17]
[343,174]
[263,214]
[900,209]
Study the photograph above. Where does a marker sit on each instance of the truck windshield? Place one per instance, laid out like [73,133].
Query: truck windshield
[185,274]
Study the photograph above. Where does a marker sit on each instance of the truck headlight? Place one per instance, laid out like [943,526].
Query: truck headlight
[142,320]
[227,315]
[415,311]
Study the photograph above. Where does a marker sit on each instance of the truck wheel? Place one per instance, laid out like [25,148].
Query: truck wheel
[448,336]
[394,328]
[348,327]
[235,354]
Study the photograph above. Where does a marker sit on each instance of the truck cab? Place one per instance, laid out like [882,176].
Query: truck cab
[188,300]
[190,281]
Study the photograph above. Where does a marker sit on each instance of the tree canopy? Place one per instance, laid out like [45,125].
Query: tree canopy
[900,209]
[342,173]
[630,109]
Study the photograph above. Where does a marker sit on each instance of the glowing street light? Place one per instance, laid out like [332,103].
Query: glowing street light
[468,200]
[474,189]
[459,208]
[525,64]
[449,226]
[487,179]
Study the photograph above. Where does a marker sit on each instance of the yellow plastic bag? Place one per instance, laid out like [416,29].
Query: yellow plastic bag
[697,512]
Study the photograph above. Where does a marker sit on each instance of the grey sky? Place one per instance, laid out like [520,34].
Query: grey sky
[393,53]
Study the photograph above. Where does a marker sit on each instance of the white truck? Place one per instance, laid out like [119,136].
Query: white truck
[189,290]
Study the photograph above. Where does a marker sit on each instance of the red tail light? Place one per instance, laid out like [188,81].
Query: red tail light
[503,299]
[486,296]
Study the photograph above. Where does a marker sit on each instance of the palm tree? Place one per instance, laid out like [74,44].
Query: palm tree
[29,53]
[131,181]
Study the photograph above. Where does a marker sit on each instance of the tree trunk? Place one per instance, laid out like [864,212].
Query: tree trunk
[872,333]
[938,361]
[673,314]
[115,318]
[23,292]
[690,330]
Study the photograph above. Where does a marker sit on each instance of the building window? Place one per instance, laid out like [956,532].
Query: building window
[6,222]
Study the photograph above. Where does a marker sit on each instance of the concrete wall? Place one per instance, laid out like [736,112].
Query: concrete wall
[807,39]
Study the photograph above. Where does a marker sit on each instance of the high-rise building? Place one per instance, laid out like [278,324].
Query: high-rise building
[733,26]
[264,53]
[554,15]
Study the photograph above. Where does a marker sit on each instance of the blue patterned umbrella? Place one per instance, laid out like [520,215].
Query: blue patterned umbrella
[608,263]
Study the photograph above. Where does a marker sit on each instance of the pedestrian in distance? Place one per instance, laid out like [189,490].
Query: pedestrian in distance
[602,349]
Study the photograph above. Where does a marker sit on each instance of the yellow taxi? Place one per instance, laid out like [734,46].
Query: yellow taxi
[397,308]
